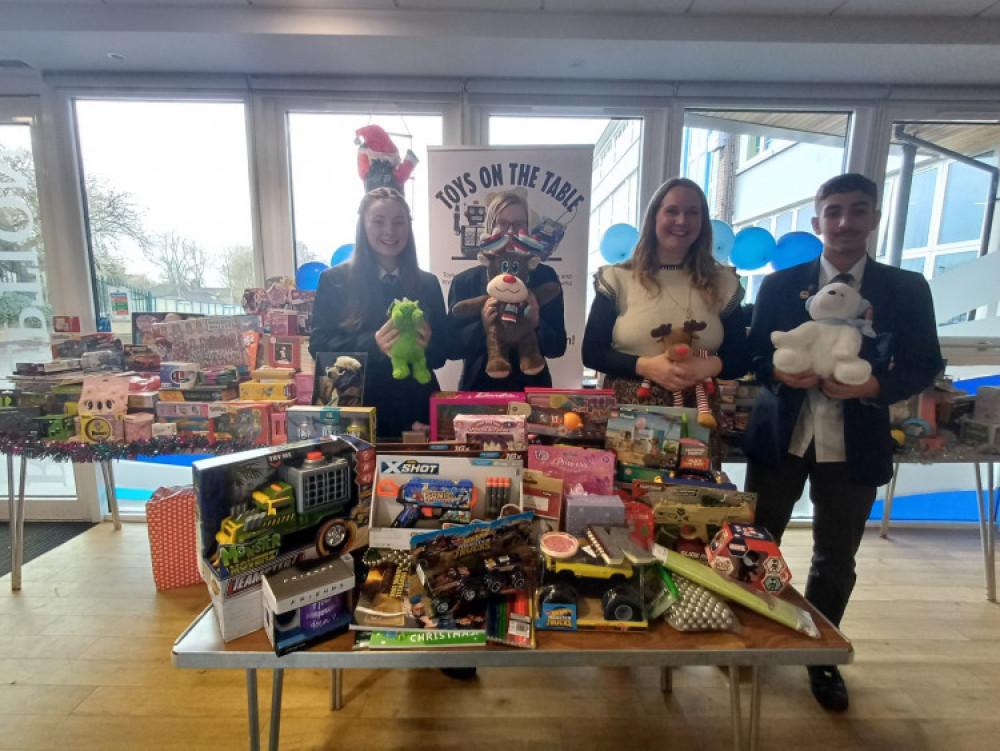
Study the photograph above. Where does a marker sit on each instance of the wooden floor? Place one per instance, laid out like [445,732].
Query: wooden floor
[85,664]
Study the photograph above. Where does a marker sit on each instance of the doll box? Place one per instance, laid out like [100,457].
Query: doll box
[395,470]
[315,422]
[492,432]
[581,470]
[445,405]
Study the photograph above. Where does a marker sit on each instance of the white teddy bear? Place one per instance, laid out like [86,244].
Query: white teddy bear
[829,344]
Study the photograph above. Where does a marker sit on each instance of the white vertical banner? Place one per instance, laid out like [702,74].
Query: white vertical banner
[555,181]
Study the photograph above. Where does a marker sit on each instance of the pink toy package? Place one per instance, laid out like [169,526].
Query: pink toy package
[492,432]
[445,405]
[583,471]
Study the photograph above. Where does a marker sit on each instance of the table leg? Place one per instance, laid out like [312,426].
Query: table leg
[15,520]
[754,707]
[887,506]
[336,689]
[277,682]
[109,489]
[986,528]
[991,530]
[666,679]
[736,714]
[253,716]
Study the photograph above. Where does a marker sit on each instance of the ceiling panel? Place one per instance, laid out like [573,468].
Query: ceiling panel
[507,6]
[178,3]
[914,7]
[325,4]
[619,7]
[765,7]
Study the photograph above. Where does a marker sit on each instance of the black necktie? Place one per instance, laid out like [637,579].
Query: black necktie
[843,278]
[391,284]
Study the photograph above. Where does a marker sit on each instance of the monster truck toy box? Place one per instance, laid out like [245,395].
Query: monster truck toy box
[388,530]
[265,509]
[748,553]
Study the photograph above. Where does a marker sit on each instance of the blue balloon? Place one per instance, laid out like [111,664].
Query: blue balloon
[794,248]
[752,249]
[722,240]
[307,277]
[342,254]
[618,242]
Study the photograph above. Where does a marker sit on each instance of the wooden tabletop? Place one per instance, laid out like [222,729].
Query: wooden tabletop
[759,641]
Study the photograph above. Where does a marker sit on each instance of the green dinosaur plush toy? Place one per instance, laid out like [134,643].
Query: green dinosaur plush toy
[406,317]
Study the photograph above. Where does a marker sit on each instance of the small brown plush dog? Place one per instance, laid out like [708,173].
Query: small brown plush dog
[510,261]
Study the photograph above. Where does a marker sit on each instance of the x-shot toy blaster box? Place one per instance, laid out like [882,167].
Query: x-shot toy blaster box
[427,491]
[268,508]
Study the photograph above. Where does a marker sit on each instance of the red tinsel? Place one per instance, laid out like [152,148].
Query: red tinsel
[74,451]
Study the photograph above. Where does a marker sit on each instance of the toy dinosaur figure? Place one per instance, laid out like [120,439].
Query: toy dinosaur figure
[406,317]
[677,346]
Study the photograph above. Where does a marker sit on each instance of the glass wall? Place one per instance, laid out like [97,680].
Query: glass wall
[327,189]
[25,302]
[761,168]
[167,190]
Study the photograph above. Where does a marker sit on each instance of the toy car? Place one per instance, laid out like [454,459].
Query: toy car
[622,603]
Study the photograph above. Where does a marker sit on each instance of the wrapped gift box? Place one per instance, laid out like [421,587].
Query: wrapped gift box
[173,543]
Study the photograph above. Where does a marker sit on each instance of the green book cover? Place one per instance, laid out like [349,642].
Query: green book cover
[425,639]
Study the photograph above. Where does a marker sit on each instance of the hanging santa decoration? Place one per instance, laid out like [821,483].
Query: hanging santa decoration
[379,164]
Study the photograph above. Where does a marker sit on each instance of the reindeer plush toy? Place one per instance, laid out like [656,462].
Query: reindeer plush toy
[510,261]
[677,344]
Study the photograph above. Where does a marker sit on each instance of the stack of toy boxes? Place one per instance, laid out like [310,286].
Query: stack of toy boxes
[984,427]
[262,510]
[395,470]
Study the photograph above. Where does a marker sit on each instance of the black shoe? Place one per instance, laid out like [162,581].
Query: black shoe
[828,687]
[460,674]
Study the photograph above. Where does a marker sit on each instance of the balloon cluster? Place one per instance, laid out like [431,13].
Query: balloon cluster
[754,247]
[307,276]
[749,249]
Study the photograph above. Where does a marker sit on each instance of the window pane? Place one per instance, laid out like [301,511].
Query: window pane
[964,204]
[913,264]
[762,162]
[168,204]
[946,261]
[918,217]
[326,188]
[25,312]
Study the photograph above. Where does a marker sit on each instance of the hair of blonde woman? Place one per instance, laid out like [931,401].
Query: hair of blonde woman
[698,262]
[498,205]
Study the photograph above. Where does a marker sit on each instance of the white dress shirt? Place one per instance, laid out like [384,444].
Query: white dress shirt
[821,419]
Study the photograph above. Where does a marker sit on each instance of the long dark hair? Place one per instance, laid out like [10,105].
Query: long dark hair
[698,261]
[363,268]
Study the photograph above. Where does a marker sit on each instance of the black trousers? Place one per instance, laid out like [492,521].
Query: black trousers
[840,509]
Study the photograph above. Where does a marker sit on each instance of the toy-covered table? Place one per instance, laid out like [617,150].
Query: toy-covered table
[761,643]
[987,498]
[103,454]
